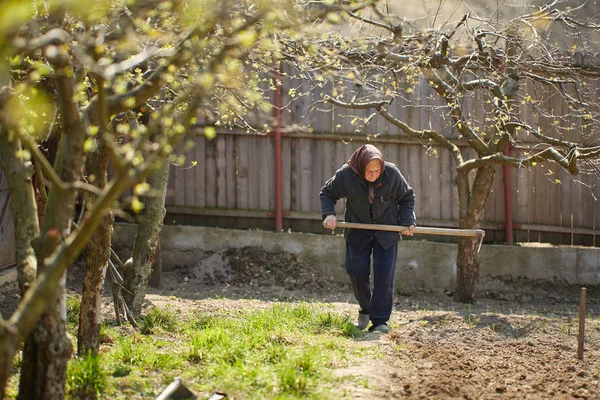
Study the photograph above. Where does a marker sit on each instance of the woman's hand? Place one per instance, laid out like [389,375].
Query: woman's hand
[330,222]
[409,231]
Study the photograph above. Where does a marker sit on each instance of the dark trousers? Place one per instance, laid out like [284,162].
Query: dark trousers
[378,301]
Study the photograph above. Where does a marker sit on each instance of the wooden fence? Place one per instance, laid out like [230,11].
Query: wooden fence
[232,184]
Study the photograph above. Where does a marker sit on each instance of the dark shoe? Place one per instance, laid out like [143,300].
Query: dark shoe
[362,321]
[383,328]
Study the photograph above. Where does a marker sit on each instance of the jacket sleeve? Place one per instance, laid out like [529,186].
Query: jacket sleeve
[405,196]
[334,189]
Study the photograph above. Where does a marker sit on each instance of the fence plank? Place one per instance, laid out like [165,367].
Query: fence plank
[305,174]
[403,163]
[171,193]
[588,204]
[189,172]
[340,159]
[179,180]
[266,173]
[414,167]
[424,176]
[200,176]
[435,188]
[242,172]
[566,203]
[329,166]
[253,173]
[318,174]
[286,172]
[499,217]
[211,172]
[522,176]
[230,176]
[447,184]
[295,175]
[555,198]
[221,171]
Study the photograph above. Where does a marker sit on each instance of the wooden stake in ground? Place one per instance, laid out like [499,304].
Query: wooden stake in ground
[581,324]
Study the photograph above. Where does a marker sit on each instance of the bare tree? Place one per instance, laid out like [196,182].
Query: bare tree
[489,84]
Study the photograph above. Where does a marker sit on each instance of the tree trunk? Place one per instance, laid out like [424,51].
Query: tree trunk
[137,274]
[471,208]
[48,349]
[46,352]
[467,269]
[24,210]
[156,275]
[97,256]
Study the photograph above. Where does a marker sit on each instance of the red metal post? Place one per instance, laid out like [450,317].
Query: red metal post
[277,134]
[508,225]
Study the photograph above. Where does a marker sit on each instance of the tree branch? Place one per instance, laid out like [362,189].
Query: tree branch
[423,134]
[445,91]
[55,37]
[49,171]
[151,86]
[486,84]
[549,154]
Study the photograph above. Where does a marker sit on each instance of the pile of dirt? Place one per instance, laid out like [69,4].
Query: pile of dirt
[257,266]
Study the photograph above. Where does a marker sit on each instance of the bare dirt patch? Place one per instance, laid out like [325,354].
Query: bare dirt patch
[524,347]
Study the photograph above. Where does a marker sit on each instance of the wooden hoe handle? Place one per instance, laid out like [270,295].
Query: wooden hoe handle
[479,233]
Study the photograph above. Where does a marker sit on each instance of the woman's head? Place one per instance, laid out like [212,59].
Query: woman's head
[367,161]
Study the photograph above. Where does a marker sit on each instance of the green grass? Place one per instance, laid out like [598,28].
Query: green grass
[285,352]
[86,377]
[288,351]
[156,318]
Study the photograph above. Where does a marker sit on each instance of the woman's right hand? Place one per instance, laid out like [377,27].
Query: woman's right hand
[330,222]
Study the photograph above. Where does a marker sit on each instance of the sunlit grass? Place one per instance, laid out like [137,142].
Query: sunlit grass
[285,352]
[86,377]
[288,351]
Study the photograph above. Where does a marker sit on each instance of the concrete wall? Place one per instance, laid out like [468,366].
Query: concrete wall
[421,265]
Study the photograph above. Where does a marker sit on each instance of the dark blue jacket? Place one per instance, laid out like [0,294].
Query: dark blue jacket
[394,204]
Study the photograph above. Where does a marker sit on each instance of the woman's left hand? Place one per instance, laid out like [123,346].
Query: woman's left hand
[409,231]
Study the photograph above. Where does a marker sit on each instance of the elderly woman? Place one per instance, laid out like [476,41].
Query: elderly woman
[376,193]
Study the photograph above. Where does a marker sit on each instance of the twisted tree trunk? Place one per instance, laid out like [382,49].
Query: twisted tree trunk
[139,267]
[97,256]
[48,348]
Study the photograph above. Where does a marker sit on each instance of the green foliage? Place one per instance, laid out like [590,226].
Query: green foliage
[86,377]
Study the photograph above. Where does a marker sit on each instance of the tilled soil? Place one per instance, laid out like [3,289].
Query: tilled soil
[496,350]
